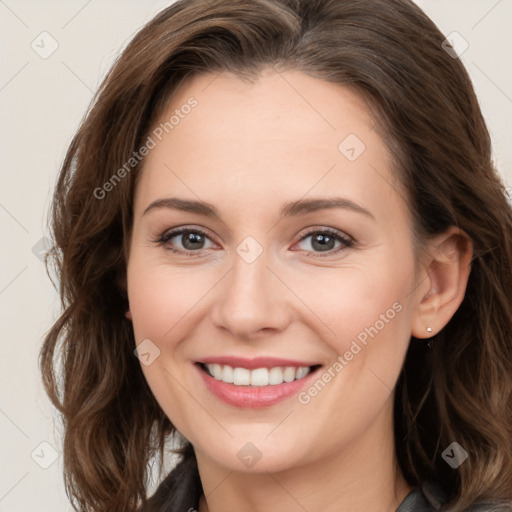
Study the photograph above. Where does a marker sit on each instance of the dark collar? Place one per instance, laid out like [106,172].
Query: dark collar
[427,498]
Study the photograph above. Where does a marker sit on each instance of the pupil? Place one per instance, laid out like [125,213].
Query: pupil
[323,240]
[191,238]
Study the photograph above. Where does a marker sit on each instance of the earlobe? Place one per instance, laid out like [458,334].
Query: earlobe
[128,314]
[445,277]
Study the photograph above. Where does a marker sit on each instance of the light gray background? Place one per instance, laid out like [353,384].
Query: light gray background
[42,100]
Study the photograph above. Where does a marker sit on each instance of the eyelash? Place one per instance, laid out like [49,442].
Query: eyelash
[166,236]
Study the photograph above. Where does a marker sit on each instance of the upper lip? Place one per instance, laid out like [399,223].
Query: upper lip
[257,362]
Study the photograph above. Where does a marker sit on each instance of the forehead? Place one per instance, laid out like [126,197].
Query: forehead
[283,109]
[285,134]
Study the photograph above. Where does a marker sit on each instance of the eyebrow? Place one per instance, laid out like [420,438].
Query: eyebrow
[290,209]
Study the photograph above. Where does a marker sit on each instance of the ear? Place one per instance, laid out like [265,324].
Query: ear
[442,281]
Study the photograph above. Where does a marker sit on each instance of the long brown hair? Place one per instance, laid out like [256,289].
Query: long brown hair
[391,53]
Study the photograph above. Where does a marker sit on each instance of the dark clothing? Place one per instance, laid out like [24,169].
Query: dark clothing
[182,493]
[430,498]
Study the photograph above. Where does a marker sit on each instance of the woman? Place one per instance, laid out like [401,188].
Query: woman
[339,337]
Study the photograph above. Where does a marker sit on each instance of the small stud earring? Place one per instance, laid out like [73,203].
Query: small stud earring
[429,329]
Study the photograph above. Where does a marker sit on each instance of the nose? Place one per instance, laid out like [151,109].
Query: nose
[252,300]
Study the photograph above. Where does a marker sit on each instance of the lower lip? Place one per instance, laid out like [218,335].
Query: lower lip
[254,397]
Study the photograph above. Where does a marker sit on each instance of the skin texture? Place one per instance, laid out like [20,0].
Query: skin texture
[247,149]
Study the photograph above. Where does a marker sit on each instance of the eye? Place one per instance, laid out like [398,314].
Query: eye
[324,241]
[192,241]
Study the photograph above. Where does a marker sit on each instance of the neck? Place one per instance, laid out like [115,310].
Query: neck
[363,475]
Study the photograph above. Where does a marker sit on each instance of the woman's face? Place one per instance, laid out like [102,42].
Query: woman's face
[275,275]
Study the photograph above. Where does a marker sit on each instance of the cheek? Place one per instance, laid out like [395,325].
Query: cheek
[368,313]
[358,303]
[160,295]
[162,299]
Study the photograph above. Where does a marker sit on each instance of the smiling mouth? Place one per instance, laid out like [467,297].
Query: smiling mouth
[257,377]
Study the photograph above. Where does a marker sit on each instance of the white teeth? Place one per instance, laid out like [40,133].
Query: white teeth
[258,377]
[227,374]
[301,372]
[216,371]
[275,376]
[289,374]
[241,376]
